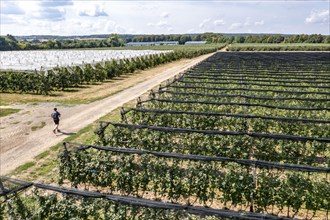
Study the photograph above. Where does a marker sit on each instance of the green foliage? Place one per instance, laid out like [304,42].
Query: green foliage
[43,205]
[239,38]
[278,84]
[62,78]
[270,79]
[279,47]
[10,43]
[178,180]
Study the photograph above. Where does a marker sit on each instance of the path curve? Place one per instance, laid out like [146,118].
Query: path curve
[19,145]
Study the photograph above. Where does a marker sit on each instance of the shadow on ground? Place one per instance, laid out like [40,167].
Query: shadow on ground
[65,133]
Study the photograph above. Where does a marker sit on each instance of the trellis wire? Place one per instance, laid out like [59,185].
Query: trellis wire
[255,80]
[246,89]
[246,162]
[242,96]
[141,202]
[254,84]
[252,72]
[266,76]
[158,111]
[217,132]
[236,103]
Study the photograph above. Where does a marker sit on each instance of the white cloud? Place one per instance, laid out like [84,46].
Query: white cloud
[75,22]
[219,22]
[50,10]
[30,7]
[147,6]
[11,8]
[165,14]
[95,11]
[55,3]
[259,23]
[20,17]
[113,27]
[248,22]
[235,26]
[190,31]
[162,24]
[6,19]
[321,17]
[51,14]
[99,26]
[204,22]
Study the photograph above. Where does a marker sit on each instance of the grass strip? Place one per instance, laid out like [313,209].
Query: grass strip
[8,111]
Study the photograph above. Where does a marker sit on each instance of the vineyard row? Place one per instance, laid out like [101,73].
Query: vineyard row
[74,203]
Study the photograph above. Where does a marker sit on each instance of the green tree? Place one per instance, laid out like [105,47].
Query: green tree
[326,40]
[240,39]
[57,44]
[50,44]
[115,41]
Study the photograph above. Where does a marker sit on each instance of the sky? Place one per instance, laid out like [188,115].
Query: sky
[71,17]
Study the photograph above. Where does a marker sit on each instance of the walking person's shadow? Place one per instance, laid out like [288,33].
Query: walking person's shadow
[60,133]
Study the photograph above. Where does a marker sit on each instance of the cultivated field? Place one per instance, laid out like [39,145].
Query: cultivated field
[279,47]
[63,77]
[47,59]
[246,135]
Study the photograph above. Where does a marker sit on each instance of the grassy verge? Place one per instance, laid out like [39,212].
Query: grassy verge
[34,128]
[8,111]
[2,102]
[43,168]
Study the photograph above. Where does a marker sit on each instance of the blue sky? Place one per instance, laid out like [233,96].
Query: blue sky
[69,17]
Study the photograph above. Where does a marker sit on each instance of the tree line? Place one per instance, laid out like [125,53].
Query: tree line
[9,42]
[114,40]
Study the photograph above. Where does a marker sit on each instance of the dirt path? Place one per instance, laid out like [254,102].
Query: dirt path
[29,132]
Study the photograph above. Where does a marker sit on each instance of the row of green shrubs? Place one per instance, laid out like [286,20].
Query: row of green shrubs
[279,47]
[62,78]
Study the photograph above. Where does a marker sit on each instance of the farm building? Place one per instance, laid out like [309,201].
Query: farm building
[156,43]
[195,42]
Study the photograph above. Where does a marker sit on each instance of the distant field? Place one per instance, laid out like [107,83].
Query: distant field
[35,59]
[64,69]
[279,47]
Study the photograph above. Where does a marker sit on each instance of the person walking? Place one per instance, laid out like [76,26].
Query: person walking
[56,117]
